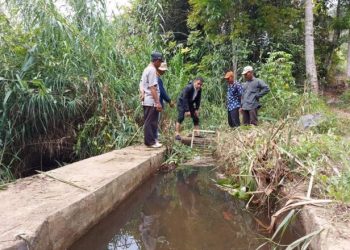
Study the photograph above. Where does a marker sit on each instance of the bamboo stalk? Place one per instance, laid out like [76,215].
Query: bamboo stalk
[313,172]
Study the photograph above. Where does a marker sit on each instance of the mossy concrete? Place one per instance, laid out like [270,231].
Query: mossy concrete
[51,211]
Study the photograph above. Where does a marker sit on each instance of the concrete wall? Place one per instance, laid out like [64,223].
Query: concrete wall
[51,212]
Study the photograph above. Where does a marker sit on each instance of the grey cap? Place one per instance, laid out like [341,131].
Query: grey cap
[156,56]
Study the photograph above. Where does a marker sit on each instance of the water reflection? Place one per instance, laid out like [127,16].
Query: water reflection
[187,189]
[183,210]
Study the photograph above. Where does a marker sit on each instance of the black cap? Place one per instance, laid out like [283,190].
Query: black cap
[156,56]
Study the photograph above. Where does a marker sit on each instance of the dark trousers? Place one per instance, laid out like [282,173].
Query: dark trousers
[150,115]
[233,117]
[181,115]
[250,117]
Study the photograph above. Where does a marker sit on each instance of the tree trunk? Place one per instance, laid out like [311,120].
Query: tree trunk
[335,39]
[311,73]
[234,59]
[348,66]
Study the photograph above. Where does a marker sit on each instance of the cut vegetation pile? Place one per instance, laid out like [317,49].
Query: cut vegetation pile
[262,161]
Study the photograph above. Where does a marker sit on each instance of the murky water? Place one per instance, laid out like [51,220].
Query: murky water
[180,210]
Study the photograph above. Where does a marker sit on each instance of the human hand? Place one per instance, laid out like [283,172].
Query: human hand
[196,113]
[159,107]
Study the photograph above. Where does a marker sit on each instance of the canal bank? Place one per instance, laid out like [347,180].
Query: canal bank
[53,209]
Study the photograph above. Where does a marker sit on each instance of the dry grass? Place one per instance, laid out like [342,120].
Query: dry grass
[253,156]
[268,157]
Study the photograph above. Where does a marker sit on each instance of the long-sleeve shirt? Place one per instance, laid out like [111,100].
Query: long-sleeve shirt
[234,94]
[163,94]
[186,100]
[253,90]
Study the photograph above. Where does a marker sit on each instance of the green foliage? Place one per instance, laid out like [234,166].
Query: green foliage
[345,97]
[102,134]
[318,147]
[337,187]
[75,75]
[283,97]
[69,77]
[178,154]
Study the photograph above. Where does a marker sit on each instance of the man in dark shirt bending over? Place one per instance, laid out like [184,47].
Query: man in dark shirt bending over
[188,104]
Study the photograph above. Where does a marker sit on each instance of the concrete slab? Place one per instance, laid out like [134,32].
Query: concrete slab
[335,235]
[41,212]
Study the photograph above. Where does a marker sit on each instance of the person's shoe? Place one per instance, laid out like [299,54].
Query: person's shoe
[178,137]
[156,145]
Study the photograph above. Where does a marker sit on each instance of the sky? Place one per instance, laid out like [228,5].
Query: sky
[112,6]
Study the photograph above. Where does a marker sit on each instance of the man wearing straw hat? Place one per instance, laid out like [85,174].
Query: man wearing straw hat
[163,96]
[253,90]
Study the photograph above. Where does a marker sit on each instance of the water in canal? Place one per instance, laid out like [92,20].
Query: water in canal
[179,210]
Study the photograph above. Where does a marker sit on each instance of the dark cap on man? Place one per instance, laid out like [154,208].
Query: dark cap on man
[156,56]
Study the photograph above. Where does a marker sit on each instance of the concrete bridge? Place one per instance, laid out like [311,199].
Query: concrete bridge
[53,209]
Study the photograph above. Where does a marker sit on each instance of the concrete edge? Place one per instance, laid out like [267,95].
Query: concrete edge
[62,228]
[316,218]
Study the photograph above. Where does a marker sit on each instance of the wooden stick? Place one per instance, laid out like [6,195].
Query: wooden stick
[204,131]
[192,138]
[61,180]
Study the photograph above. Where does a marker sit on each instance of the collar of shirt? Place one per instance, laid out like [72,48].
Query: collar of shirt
[194,93]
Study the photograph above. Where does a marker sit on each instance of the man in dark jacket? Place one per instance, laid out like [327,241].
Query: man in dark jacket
[253,90]
[188,104]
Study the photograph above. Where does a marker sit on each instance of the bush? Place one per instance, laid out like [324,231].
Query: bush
[283,98]
[345,97]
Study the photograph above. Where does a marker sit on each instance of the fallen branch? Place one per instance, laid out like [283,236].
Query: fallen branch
[292,206]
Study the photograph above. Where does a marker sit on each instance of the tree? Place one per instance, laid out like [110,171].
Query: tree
[348,66]
[311,73]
